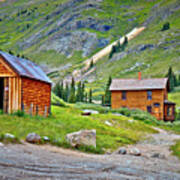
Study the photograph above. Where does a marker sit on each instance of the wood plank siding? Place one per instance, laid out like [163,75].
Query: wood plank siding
[138,99]
[36,97]
[149,95]
[23,93]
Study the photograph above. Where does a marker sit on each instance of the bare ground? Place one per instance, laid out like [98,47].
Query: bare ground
[27,161]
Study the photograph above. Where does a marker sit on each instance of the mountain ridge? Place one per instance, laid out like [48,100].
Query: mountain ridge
[61,35]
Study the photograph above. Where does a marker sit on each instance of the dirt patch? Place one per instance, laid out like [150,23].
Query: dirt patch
[27,161]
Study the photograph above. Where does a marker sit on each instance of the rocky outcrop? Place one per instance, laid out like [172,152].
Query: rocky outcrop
[83,137]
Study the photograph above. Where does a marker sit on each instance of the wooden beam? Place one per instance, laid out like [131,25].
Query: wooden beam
[7,75]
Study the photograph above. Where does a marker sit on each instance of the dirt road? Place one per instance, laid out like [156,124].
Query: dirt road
[29,162]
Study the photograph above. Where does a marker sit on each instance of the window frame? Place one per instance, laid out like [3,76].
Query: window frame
[124,95]
[169,111]
[148,109]
[157,105]
[149,95]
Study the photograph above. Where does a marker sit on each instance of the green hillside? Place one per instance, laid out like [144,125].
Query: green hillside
[60,34]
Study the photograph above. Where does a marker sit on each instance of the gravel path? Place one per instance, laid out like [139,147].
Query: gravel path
[29,162]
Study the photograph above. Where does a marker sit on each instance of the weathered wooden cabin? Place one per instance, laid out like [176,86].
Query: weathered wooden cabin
[149,95]
[23,86]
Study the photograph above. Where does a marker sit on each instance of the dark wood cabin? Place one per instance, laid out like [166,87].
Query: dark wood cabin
[23,86]
[149,95]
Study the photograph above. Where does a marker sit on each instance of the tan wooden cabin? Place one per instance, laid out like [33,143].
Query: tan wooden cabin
[23,86]
[149,95]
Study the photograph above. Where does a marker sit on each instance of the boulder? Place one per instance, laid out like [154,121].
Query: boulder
[91,111]
[135,152]
[121,150]
[9,136]
[83,137]
[1,144]
[46,139]
[108,123]
[33,138]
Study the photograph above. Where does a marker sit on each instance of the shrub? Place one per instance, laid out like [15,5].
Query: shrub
[166,26]
[8,140]
[19,113]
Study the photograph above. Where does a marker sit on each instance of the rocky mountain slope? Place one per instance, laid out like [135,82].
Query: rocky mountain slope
[61,34]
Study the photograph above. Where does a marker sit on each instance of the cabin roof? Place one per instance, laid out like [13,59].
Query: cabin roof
[169,102]
[136,84]
[25,67]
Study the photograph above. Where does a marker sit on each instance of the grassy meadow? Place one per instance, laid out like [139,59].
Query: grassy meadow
[69,119]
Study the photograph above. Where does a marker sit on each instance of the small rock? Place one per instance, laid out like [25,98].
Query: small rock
[83,137]
[85,113]
[108,123]
[122,151]
[131,120]
[33,138]
[135,152]
[90,111]
[9,136]
[158,155]
[1,144]
[45,138]
[117,114]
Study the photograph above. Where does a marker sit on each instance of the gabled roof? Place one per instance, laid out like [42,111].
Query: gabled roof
[136,84]
[25,67]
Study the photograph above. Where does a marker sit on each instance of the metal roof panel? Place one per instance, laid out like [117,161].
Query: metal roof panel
[25,67]
[135,84]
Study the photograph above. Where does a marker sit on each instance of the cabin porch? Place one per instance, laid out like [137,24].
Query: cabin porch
[169,111]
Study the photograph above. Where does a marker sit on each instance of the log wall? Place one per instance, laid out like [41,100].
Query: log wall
[36,97]
[12,94]
[22,93]
[138,99]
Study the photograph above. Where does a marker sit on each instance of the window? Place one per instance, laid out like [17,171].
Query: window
[124,95]
[149,109]
[156,105]
[149,95]
[169,111]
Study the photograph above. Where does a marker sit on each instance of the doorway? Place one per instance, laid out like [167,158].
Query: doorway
[1,93]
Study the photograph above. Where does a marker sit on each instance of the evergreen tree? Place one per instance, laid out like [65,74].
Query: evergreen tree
[175,80]
[107,98]
[82,92]
[90,96]
[72,97]
[179,80]
[10,52]
[170,76]
[92,63]
[85,98]
[124,44]
[79,92]
[62,90]
[166,26]
[118,47]
[57,89]
[66,93]
[102,100]
[113,50]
